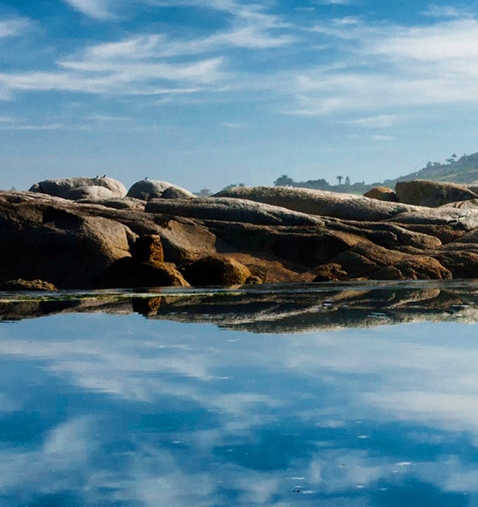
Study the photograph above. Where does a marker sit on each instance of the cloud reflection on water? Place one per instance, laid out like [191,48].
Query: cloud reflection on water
[121,410]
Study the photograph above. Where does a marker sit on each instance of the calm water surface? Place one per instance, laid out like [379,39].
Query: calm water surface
[101,409]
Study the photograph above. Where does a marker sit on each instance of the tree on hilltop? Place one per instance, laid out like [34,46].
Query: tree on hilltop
[284,181]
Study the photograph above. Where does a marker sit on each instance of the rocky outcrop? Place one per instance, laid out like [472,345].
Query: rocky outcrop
[52,239]
[382,194]
[81,188]
[320,202]
[432,193]
[155,189]
[131,273]
[230,210]
[148,248]
[145,267]
[255,235]
[91,193]
[218,270]
[27,285]
[330,272]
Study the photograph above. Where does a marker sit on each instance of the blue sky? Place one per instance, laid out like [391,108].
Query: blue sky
[207,93]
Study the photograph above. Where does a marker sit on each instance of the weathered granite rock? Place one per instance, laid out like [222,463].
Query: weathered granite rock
[311,235]
[382,194]
[461,263]
[52,240]
[129,272]
[217,270]
[431,193]
[413,268]
[389,235]
[321,202]
[117,203]
[27,285]
[473,187]
[184,240]
[367,261]
[91,193]
[148,248]
[79,188]
[155,189]
[174,192]
[459,219]
[230,210]
[330,272]
[306,246]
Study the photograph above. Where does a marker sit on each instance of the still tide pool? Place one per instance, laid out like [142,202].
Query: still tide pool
[121,410]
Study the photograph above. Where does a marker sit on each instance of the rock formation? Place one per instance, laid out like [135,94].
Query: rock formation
[382,194]
[432,193]
[245,235]
[320,202]
[79,188]
[218,270]
[154,189]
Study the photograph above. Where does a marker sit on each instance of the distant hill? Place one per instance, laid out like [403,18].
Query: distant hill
[457,170]
[462,170]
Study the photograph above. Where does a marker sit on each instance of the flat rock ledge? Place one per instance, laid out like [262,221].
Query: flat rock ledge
[161,235]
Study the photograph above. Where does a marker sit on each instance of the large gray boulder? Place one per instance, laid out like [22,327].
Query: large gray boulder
[432,193]
[91,193]
[80,188]
[230,210]
[320,202]
[155,189]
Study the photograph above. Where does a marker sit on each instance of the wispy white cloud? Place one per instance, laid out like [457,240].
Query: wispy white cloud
[97,9]
[377,67]
[235,7]
[391,66]
[17,123]
[251,25]
[446,11]
[158,63]
[234,125]
[333,2]
[65,452]
[14,27]
[106,118]
[378,121]
[159,46]
[382,138]
[137,47]
[7,119]
[443,43]
[49,126]
[116,77]
[202,71]
[252,37]
[389,375]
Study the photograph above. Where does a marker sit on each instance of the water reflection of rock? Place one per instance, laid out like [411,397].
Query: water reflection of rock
[273,310]
[276,313]
[19,307]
